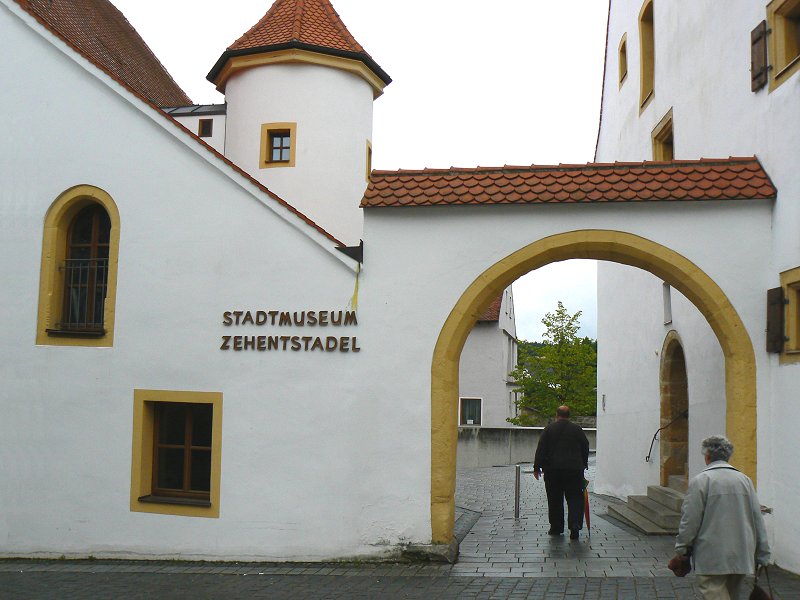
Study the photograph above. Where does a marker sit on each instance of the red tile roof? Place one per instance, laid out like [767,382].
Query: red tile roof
[312,22]
[103,35]
[704,179]
[305,24]
[492,312]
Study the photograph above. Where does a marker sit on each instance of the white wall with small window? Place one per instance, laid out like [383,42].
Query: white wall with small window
[488,357]
[196,238]
[332,110]
[205,121]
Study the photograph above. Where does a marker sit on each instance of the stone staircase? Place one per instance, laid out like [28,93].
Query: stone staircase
[657,513]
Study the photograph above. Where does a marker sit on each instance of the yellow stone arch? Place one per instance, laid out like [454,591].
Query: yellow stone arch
[614,246]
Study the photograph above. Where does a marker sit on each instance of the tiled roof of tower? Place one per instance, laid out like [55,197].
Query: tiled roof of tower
[99,31]
[312,22]
[306,24]
[683,180]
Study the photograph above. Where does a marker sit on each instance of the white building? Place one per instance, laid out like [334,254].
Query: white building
[486,390]
[199,365]
[156,279]
[685,80]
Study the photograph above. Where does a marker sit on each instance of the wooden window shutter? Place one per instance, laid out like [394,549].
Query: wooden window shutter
[758,57]
[775,335]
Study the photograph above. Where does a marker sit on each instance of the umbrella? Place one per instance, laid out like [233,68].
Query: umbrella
[586,512]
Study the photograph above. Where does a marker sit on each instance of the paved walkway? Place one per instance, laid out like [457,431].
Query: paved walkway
[500,558]
[497,544]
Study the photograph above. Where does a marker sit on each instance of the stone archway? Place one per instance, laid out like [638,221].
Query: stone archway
[614,246]
[674,438]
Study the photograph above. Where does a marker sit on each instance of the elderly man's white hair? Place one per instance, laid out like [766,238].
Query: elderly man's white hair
[717,447]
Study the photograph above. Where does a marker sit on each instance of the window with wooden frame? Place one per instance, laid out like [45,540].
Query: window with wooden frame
[622,59]
[205,128]
[647,55]
[790,283]
[278,145]
[182,450]
[85,271]
[783,18]
[369,161]
[77,287]
[470,412]
[176,452]
[662,136]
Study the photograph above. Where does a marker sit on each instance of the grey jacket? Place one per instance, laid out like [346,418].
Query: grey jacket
[721,521]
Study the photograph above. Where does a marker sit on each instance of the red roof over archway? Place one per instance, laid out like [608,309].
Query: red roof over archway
[682,180]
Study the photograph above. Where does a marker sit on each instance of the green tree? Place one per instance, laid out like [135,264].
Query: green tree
[560,370]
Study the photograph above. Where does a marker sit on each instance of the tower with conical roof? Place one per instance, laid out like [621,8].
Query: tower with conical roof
[299,90]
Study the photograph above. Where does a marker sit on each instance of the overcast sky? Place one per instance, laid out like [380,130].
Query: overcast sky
[514,82]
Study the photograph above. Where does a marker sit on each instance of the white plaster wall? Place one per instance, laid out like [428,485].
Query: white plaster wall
[308,471]
[632,334]
[399,243]
[322,456]
[333,112]
[217,138]
[703,74]
[508,319]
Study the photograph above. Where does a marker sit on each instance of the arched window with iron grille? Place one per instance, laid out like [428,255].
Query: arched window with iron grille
[85,271]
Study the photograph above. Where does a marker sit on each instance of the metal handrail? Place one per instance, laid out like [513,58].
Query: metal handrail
[683,415]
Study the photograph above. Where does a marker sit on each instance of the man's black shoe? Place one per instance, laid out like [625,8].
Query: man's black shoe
[554,532]
[573,534]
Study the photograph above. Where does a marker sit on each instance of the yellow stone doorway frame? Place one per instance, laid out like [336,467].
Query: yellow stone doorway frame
[614,246]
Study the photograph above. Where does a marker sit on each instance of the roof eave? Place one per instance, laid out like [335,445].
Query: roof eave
[214,75]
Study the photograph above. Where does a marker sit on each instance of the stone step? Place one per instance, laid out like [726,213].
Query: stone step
[635,520]
[679,483]
[669,497]
[664,517]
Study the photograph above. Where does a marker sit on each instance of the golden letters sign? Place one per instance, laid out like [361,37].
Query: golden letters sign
[294,343]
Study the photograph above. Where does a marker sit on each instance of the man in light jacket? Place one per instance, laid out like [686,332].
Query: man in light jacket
[722,524]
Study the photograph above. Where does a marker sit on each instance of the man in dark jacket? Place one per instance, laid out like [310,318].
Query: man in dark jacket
[563,454]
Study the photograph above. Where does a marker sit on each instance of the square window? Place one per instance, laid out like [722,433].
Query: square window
[470,412]
[278,145]
[176,452]
[783,17]
[790,282]
[205,128]
[663,144]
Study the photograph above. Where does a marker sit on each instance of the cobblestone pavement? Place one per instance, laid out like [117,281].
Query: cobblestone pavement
[500,558]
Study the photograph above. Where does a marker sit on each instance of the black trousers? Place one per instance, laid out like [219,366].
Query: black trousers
[561,484]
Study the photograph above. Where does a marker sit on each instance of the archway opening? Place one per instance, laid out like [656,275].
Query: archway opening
[674,443]
[614,246]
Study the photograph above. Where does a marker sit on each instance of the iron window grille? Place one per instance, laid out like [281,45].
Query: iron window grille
[85,287]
